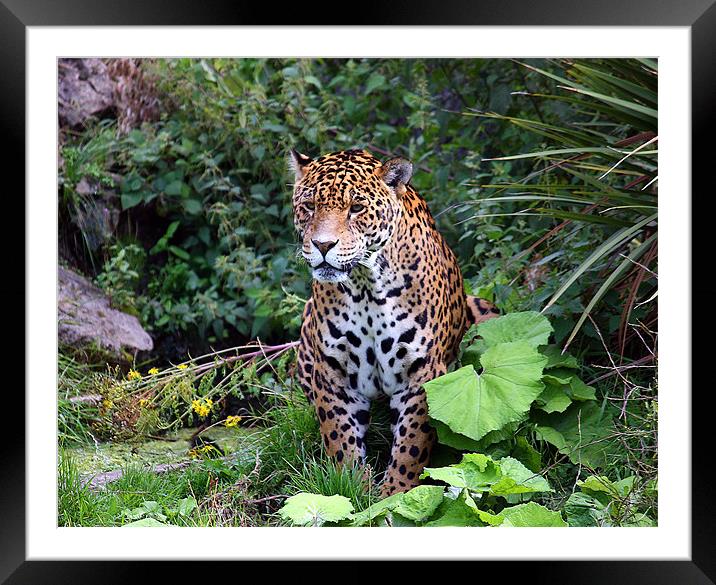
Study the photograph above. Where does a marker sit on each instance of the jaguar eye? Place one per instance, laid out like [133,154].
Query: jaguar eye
[357,208]
[310,206]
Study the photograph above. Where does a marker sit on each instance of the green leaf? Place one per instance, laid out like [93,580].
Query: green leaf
[582,433]
[457,512]
[420,503]
[557,359]
[462,511]
[476,472]
[527,454]
[315,509]
[279,128]
[453,439]
[480,473]
[192,206]
[473,405]
[602,488]
[144,522]
[578,390]
[472,353]
[638,519]
[161,244]
[507,432]
[584,510]
[552,436]
[396,520]
[186,506]
[174,188]
[312,80]
[130,200]
[374,82]
[529,326]
[179,252]
[378,509]
[558,376]
[531,514]
[553,398]
[463,443]
[517,479]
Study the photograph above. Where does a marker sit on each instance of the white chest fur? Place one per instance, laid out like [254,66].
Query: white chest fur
[375,335]
[389,344]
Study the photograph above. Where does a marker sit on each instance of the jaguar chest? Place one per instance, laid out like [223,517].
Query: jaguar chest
[376,341]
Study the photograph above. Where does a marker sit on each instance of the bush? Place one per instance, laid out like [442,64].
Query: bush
[205,190]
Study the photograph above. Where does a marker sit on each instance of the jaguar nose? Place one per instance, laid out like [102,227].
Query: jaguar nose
[324,247]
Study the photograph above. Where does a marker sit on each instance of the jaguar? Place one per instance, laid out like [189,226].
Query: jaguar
[387,309]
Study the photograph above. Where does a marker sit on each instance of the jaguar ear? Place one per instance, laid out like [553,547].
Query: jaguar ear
[396,172]
[297,162]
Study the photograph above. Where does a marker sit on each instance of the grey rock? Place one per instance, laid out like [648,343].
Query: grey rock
[85,318]
[84,90]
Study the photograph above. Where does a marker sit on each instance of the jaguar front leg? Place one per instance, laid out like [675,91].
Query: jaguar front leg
[413,440]
[343,417]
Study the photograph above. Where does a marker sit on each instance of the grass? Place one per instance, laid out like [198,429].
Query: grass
[75,415]
[78,505]
[321,475]
[229,491]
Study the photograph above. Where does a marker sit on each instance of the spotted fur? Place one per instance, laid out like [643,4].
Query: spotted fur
[388,307]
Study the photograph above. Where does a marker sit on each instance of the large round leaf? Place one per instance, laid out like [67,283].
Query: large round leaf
[315,509]
[531,514]
[474,404]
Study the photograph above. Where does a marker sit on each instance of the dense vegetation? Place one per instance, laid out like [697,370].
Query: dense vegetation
[542,176]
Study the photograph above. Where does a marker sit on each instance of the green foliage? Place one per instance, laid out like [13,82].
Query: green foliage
[529,327]
[120,275]
[582,433]
[602,502]
[547,400]
[435,505]
[206,188]
[597,176]
[480,473]
[84,219]
[523,384]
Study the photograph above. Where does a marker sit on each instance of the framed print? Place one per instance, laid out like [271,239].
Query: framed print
[303,284]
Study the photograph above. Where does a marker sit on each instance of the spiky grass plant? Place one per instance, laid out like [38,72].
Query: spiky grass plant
[602,171]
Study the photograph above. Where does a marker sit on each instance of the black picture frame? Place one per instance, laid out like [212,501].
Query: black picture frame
[16,15]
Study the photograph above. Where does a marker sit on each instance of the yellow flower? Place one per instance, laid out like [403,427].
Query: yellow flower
[232,421]
[202,406]
[197,452]
[153,371]
[143,402]
[107,404]
[134,375]
[182,367]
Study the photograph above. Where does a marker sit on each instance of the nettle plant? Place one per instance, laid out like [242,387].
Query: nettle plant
[509,389]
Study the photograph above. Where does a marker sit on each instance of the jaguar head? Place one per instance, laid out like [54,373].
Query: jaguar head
[346,206]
